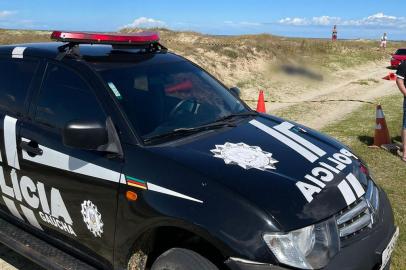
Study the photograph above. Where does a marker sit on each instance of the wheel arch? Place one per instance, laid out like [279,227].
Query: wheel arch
[154,241]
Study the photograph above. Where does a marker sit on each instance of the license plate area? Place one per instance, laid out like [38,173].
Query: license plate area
[386,254]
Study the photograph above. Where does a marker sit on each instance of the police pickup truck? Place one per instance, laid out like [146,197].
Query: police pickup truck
[116,154]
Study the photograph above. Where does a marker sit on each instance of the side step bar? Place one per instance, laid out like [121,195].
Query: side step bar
[37,250]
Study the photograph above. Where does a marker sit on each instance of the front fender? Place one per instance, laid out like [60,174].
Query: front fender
[185,199]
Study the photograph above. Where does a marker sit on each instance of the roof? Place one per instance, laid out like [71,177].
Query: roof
[89,52]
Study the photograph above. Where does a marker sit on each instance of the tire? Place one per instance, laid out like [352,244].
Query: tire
[182,259]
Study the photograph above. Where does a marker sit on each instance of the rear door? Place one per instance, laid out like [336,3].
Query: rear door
[72,192]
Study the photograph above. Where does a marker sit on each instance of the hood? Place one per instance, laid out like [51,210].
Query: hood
[295,174]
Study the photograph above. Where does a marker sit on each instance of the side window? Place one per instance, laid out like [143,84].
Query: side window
[64,97]
[15,79]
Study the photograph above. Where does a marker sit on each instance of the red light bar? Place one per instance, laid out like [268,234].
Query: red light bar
[106,38]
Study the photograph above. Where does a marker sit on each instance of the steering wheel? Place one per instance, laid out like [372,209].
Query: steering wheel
[190,105]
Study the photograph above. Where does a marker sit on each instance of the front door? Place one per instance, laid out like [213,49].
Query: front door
[73,192]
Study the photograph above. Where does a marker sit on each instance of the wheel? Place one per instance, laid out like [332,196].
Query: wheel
[182,259]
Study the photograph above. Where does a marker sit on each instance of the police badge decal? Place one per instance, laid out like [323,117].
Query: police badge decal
[92,218]
[245,156]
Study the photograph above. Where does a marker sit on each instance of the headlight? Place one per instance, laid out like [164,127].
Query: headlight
[308,248]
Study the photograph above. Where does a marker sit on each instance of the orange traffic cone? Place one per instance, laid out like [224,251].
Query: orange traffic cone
[261,102]
[381,129]
[390,77]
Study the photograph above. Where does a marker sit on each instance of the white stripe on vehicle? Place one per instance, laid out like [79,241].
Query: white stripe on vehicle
[122,179]
[16,187]
[43,198]
[285,127]
[18,52]
[340,166]
[12,208]
[335,170]
[315,180]
[29,215]
[10,142]
[4,187]
[163,190]
[285,140]
[28,190]
[55,159]
[359,190]
[347,193]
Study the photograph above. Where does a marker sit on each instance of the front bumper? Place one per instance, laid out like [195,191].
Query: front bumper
[394,63]
[364,252]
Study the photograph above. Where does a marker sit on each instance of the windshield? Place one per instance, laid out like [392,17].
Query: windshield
[160,98]
[401,52]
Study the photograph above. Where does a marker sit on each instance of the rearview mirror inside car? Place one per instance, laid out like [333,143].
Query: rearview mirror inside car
[235,91]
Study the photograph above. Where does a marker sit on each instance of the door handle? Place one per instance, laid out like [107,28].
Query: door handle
[31,148]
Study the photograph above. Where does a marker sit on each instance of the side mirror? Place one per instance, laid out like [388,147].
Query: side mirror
[86,135]
[235,91]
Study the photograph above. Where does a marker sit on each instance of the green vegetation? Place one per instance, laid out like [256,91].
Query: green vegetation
[323,53]
[388,170]
[252,58]
[23,36]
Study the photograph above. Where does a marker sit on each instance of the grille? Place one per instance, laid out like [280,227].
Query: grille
[360,215]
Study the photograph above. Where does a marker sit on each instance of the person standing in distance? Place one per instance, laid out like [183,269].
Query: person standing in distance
[384,41]
[400,81]
[334,34]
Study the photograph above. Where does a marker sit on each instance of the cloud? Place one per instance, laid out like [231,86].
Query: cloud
[6,13]
[322,20]
[378,19]
[294,21]
[144,22]
[326,20]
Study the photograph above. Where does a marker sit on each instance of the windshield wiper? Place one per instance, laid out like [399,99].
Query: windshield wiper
[223,121]
[188,131]
[185,131]
[236,115]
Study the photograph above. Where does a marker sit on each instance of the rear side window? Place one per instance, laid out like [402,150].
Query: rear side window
[401,52]
[64,97]
[15,79]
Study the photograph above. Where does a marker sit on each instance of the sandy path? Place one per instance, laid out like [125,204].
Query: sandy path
[345,85]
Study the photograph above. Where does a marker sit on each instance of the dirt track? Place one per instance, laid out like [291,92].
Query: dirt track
[345,85]
[362,83]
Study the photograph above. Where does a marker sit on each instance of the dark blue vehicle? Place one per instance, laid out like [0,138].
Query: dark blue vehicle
[116,154]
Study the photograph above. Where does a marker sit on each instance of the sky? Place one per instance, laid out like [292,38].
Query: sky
[297,18]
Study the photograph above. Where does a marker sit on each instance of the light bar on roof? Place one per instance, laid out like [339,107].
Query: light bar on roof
[106,38]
